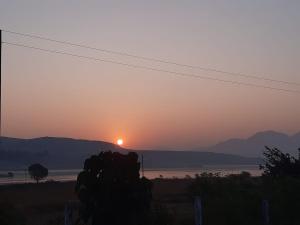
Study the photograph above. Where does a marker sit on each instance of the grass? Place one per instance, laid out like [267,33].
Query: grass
[232,200]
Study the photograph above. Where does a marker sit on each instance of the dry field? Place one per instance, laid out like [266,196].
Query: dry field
[43,204]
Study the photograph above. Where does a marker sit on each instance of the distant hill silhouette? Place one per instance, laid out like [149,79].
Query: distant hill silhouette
[68,153]
[54,152]
[254,145]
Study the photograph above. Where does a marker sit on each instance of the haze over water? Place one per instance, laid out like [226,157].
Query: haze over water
[71,175]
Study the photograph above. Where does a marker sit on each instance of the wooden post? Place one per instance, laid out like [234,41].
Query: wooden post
[25,171]
[265,212]
[71,209]
[68,214]
[198,211]
[0,88]
[142,165]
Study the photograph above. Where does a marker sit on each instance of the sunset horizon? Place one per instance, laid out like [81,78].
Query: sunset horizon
[237,90]
[149,112]
[122,142]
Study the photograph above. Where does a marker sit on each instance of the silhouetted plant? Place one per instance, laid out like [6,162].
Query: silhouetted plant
[111,190]
[237,199]
[231,200]
[37,172]
[279,164]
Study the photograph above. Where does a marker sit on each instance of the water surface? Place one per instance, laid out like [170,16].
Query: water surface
[22,176]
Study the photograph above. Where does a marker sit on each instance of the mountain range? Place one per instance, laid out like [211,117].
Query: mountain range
[67,153]
[255,145]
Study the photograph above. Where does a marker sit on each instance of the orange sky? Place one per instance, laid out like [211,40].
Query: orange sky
[52,95]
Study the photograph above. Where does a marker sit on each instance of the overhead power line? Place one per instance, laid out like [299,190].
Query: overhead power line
[152,68]
[155,59]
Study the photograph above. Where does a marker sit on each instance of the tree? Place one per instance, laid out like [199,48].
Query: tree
[111,191]
[279,164]
[37,172]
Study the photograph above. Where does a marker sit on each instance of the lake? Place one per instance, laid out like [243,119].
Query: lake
[21,176]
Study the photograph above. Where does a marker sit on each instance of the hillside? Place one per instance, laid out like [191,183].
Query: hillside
[254,145]
[67,153]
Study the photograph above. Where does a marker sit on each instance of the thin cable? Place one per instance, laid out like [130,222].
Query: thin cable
[155,60]
[152,69]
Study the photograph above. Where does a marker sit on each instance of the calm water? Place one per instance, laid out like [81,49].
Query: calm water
[70,175]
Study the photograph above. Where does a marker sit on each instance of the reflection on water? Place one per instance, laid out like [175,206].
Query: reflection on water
[70,175]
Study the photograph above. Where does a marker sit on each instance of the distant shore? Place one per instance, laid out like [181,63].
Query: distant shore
[21,176]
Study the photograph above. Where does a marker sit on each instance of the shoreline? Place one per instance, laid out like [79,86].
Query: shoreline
[150,173]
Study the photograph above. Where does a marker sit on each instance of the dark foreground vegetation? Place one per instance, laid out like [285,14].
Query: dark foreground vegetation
[234,200]
[231,200]
[238,199]
[110,184]
[273,198]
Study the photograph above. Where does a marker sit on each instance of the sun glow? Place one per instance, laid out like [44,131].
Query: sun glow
[120,141]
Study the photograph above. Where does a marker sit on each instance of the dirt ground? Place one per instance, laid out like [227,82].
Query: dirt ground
[43,204]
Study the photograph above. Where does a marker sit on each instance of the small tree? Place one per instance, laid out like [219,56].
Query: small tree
[37,172]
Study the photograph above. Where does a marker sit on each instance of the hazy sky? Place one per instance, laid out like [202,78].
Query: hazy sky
[47,94]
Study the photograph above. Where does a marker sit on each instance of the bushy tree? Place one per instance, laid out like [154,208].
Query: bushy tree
[279,164]
[37,172]
[111,190]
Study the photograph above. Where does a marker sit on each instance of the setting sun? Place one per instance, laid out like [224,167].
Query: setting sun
[120,141]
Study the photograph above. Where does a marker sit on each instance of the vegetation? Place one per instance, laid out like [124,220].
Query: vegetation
[278,164]
[110,185]
[230,200]
[37,172]
[237,199]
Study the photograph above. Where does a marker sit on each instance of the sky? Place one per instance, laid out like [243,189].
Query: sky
[47,94]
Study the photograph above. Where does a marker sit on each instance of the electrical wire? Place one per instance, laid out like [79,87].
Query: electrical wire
[155,59]
[152,68]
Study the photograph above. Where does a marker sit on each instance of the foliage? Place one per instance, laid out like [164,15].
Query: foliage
[278,164]
[224,198]
[237,199]
[111,190]
[37,172]
[284,198]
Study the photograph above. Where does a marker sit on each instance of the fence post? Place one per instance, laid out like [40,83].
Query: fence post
[265,212]
[68,214]
[198,211]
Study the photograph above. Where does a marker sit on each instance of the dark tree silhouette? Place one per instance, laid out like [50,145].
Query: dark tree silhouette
[279,164]
[37,172]
[111,190]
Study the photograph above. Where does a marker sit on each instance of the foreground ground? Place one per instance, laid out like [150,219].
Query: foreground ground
[43,204]
[231,200]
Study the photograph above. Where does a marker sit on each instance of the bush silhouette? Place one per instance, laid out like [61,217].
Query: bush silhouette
[111,190]
[37,172]
[279,164]
[237,199]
